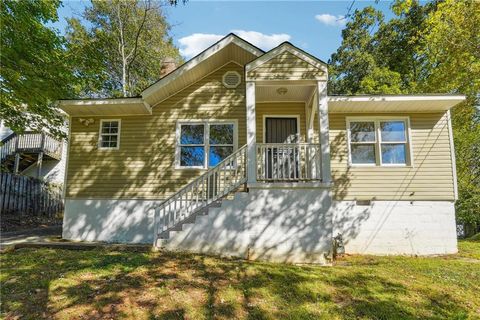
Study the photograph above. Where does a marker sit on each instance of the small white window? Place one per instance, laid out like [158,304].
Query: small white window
[378,142]
[109,134]
[204,144]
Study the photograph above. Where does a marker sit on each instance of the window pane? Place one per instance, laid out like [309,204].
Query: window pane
[393,130]
[394,153]
[192,156]
[109,144]
[191,134]
[217,154]
[363,153]
[110,127]
[221,134]
[362,131]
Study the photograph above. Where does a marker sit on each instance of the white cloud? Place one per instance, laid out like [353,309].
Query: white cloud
[195,43]
[261,40]
[331,20]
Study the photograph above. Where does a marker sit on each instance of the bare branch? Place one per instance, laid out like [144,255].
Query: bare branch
[134,51]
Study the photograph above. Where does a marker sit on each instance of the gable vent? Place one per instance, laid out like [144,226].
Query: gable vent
[231,79]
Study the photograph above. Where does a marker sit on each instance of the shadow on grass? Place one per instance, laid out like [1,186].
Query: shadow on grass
[99,284]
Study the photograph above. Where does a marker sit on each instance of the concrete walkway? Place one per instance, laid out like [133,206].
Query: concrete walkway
[51,237]
[32,235]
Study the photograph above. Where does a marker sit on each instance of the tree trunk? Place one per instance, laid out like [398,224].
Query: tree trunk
[124,77]
[122,52]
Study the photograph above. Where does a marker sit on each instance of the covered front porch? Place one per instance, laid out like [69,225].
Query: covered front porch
[287,120]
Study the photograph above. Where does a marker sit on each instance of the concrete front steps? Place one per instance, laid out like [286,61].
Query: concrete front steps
[164,236]
[282,225]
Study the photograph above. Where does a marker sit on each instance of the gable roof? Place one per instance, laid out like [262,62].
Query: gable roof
[229,48]
[286,47]
[286,62]
[232,48]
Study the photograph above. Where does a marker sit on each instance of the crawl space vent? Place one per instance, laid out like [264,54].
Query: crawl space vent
[231,79]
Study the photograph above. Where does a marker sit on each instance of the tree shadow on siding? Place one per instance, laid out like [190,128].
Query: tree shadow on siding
[144,166]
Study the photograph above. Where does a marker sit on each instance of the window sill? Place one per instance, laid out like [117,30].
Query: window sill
[108,149]
[379,166]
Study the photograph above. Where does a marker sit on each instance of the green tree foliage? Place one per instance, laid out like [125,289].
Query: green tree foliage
[432,47]
[34,67]
[120,47]
[452,55]
[355,58]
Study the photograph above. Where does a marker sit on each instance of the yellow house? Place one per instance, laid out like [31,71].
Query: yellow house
[242,152]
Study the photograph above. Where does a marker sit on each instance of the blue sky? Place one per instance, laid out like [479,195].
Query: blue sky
[314,26]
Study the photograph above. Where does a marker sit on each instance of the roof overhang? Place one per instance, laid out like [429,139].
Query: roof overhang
[392,103]
[105,107]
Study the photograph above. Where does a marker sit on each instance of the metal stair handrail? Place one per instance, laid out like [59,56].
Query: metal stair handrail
[211,186]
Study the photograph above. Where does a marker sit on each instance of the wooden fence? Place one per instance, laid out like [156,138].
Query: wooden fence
[27,195]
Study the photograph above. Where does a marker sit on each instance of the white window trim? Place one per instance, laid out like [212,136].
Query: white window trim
[378,141]
[265,116]
[100,134]
[206,141]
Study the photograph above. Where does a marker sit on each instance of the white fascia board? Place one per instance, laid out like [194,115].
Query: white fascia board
[395,98]
[285,47]
[199,59]
[100,106]
[96,102]
[147,106]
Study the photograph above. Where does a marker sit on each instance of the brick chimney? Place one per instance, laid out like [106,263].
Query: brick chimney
[168,65]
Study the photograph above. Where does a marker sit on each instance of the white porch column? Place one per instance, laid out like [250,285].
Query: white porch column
[324,128]
[251,133]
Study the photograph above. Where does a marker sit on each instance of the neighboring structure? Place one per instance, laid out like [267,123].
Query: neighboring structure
[241,152]
[33,154]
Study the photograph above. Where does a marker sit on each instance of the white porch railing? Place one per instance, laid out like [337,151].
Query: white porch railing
[213,185]
[287,162]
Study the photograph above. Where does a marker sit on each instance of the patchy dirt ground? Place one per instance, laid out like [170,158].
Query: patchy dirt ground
[17,222]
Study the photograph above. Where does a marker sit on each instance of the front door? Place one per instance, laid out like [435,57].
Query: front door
[281,160]
[281,130]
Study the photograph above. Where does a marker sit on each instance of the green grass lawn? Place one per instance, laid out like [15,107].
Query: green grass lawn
[101,284]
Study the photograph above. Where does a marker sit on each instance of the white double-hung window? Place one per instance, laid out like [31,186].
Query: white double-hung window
[109,134]
[204,144]
[379,142]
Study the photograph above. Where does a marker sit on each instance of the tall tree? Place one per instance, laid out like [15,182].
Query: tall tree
[452,52]
[34,69]
[120,46]
[355,58]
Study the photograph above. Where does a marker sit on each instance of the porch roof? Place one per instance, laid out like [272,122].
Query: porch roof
[392,103]
[286,62]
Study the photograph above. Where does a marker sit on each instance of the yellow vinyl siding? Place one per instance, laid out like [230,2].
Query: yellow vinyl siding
[279,109]
[144,166]
[430,177]
[285,66]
